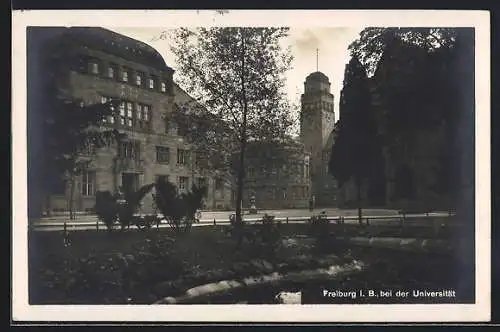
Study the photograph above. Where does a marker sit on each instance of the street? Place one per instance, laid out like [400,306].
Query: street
[375,216]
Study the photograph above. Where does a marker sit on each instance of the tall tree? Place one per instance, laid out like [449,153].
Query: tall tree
[355,148]
[372,42]
[236,75]
[424,82]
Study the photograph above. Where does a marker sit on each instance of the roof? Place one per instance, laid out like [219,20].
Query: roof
[317,76]
[116,44]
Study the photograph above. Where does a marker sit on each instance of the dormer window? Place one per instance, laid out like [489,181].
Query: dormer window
[163,87]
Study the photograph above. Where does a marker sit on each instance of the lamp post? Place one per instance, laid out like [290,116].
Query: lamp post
[253,208]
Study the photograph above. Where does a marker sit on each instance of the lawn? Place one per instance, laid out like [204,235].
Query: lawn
[142,267]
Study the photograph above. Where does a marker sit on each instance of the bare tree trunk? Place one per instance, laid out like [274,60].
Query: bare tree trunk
[241,168]
[359,200]
[71,194]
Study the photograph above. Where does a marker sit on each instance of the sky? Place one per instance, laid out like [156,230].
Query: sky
[331,42]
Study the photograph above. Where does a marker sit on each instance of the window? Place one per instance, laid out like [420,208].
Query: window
[94,67]
[129,150]
[182,129]
[138,79]
[182,157]
[145,110]
[202,182]
[111,71]
[183,182]
[163,87]
[122,113]
[284,194]
[218,184]
[125,75]
[250,171]
[122,109]
[151,83]
[129,110]
[88,183]
[161,177]
[162,155]
[139,111]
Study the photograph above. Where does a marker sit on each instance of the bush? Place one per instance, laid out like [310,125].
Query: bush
[256,241]
[320,230]
[106,208]
[115,277]
[178,210]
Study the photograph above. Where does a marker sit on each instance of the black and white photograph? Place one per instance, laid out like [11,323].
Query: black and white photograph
[283,165]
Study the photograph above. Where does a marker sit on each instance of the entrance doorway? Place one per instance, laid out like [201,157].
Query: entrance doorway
[130,182]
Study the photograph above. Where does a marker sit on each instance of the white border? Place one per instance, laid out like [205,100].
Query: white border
[480,311]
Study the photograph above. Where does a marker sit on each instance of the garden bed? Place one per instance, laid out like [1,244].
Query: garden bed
[143,267]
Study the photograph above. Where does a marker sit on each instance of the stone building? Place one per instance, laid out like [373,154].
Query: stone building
[95,64]
[277,175]
[317,120]
[288,175]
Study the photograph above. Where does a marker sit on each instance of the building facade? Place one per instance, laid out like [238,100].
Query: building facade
[317,120]
[96,65]
[277,175]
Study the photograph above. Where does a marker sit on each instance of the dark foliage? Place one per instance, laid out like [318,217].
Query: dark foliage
[132,203]
[319,229]
[356,151]
[178,209]
[106,208]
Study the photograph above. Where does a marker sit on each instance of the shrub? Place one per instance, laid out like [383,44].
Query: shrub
[320,230]
[255,241]
[269,232]
[178,210]
[106,208]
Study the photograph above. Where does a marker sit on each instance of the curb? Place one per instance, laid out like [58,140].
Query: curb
[226,285]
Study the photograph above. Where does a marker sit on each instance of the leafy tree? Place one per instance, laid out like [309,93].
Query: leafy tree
[424,81]
[373,41]
[355,149]
[236,75]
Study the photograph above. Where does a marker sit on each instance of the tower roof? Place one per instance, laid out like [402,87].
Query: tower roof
[317,76]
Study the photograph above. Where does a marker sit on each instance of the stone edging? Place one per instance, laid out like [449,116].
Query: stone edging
[226,285]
